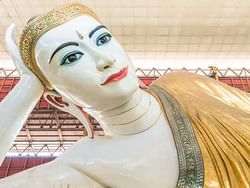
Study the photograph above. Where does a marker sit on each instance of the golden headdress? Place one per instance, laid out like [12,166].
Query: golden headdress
[40,25]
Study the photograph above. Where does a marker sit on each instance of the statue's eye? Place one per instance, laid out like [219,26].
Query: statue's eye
[103,38]
[71,57]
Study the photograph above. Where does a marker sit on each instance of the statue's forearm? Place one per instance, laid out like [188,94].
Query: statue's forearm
[15,109]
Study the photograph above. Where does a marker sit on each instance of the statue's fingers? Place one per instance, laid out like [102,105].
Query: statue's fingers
[14,50]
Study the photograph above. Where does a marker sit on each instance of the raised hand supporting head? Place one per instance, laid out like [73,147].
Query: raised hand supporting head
[14,52]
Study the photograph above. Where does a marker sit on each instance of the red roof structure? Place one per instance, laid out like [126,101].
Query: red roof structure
[51,131]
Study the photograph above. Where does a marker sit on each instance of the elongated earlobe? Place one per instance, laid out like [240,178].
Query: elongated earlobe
[56,100]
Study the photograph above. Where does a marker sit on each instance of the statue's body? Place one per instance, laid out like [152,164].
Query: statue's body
[83,68]
[117,161]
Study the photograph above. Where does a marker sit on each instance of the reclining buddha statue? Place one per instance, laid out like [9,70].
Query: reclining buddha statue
[185,130]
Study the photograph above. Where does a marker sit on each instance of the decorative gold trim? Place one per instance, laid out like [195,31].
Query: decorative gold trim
[36,27]
[191,169]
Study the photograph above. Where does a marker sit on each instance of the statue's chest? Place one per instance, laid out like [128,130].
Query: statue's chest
[148,159]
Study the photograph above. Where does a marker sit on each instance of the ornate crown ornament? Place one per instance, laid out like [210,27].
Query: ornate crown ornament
[36,27]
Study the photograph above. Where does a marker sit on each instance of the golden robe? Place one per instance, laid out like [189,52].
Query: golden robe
[220,118]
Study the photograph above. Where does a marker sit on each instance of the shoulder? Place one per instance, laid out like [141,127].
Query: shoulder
[178,76]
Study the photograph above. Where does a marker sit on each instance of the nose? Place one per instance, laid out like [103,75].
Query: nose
[104,63]
[102,60]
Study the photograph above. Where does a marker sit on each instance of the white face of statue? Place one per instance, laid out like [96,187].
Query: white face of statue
[93,72]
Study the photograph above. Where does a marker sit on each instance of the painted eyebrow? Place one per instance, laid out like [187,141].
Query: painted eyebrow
[61,47]
[96,29]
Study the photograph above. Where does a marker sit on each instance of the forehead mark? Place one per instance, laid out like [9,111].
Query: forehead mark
[81,37]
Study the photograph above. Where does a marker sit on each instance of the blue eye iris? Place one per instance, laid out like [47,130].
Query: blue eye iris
[71,57]
[103,39]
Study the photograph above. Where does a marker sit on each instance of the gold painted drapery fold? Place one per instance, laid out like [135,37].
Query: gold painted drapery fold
[220,117]
[191,168]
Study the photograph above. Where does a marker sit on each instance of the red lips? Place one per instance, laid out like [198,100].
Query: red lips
[117,76]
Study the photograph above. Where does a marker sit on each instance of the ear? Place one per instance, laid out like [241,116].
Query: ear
[56,100]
